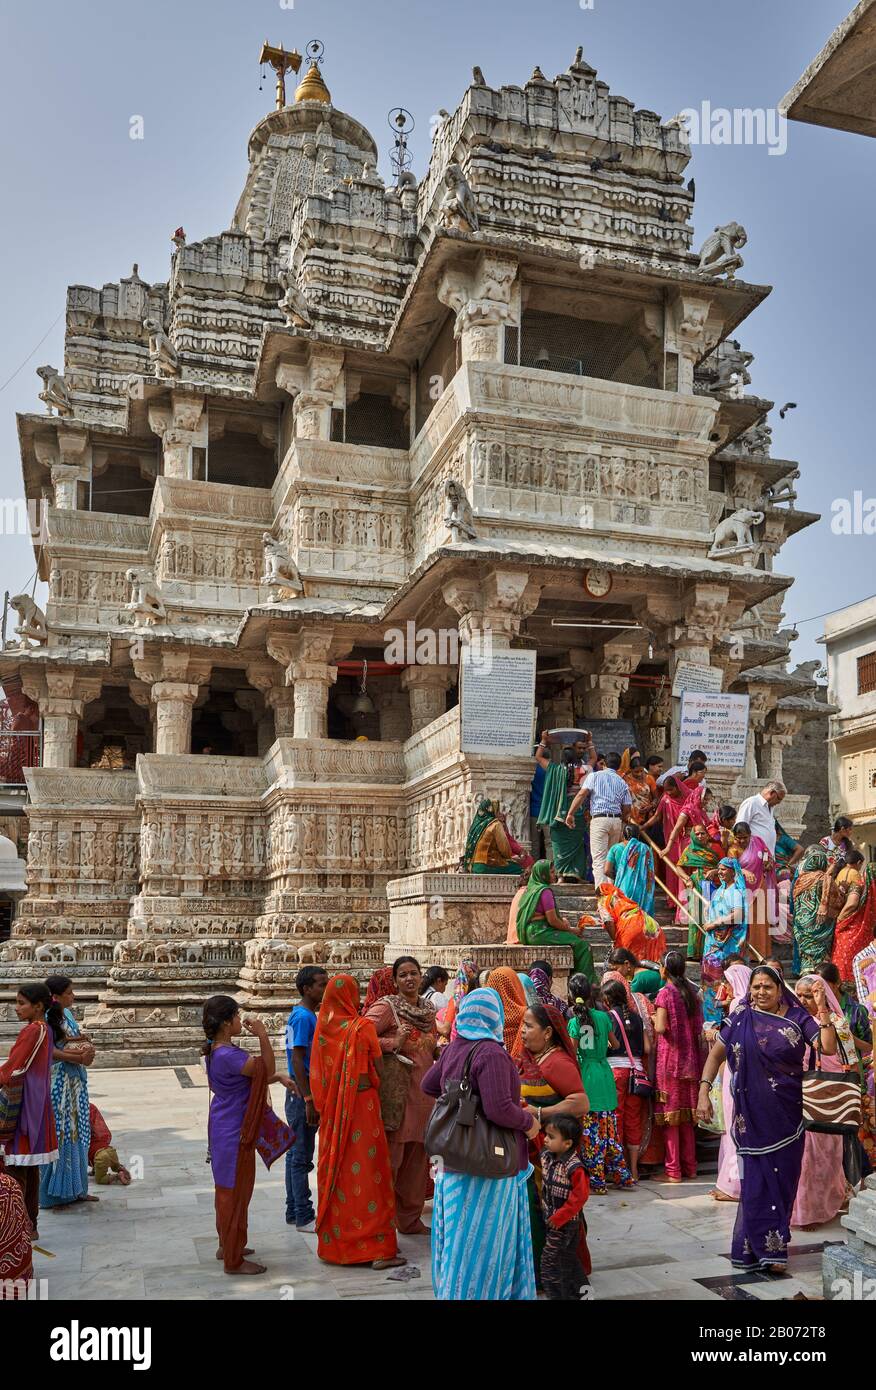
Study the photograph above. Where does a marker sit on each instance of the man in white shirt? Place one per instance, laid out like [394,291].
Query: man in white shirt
[609,800]
[757,812]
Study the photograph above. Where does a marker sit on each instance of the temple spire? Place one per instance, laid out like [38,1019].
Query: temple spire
[282,62]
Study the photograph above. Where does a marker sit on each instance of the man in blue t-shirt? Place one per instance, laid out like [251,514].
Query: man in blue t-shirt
[301,1115]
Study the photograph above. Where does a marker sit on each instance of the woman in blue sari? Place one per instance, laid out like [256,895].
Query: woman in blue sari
[66,1180]
[765,1042]
[634,868]
[726,928]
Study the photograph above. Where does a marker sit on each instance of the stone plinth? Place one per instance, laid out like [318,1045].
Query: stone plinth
[441,918]
[428,910]
[849,1271]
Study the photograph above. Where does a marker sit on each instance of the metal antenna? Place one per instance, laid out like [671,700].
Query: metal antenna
[401,122]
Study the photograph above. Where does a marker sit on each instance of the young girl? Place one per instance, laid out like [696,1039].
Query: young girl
[27,1125]
[590,1030]
[630,1108]
[564,1191]
[239,1120]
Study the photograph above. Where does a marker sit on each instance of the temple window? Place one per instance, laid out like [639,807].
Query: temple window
[375,412]
[112,731]
[225,720]
[240,450]
[122,481]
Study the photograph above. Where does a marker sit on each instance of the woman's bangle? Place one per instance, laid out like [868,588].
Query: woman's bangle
[704,1081]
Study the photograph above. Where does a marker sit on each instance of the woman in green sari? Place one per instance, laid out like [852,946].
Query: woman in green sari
[696,865]
[817,902]
[488,849]
[539,923]
[570,848]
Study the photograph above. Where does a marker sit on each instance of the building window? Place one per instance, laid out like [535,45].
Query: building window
[867,673]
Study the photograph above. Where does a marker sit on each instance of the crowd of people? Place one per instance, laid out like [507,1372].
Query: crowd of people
[610,1079]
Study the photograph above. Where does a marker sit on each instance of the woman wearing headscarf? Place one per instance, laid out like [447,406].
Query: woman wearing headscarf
[642,785]
[355,1219]
[765,1042]
[855,924]
[821,1191]
[463,982]
[737,977]
[507,985]
[817,902]
[674,795]
[381,984]
[625,921]
[697,869]
[481,1235]
[539,923]
[678,1023]
[759,874]
[487,847]
[725,934]
[29,1137]
[550,1084]
[633,863]
[542,976]
[405,1027]
[16,1257]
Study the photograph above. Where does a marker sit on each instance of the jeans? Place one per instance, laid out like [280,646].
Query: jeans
[299,1162]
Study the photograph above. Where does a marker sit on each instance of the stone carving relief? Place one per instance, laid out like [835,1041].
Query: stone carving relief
[31,629]
[55,392]
[145,601]
[457,513]
[733,535]
[281,572]
[458,209]
[162,354]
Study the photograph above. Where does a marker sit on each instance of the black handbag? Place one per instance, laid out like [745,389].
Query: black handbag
[461,1137]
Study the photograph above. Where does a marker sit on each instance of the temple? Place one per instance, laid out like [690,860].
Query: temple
[505,403]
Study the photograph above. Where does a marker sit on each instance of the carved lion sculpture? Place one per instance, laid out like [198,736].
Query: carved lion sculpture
[293,305]
[458,209]
[720,253]
[54,392]
[145,602]
[32,621]
[162,353]
[734,532]
[281,572]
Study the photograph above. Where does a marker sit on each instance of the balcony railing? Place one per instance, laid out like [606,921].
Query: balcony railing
[18,751]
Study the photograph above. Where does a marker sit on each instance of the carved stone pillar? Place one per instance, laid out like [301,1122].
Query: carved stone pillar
[65,481]
[315,388]
[395,716]
[492,610]
[62,697]
[427,688]
[181,426]
[483,298]
[281,699]
[311,676]
[782,727]
[613,665]
[173,702]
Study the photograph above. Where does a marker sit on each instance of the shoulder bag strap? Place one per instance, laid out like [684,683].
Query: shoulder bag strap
[615,1014]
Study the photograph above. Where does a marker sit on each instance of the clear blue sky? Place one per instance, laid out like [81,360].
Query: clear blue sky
[82,201]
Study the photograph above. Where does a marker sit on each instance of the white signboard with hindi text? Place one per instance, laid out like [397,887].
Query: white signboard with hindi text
[498,701]
[699,679]
[716,723]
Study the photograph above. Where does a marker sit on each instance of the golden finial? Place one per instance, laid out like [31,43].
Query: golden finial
[282,62]
[312,88]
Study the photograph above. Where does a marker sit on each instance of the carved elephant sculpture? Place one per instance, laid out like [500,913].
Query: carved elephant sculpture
[340,953]
[58,951]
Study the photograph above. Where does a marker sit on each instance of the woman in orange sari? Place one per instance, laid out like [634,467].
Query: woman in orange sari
[643,787]
[629,927]
[355,1219]
[505,982]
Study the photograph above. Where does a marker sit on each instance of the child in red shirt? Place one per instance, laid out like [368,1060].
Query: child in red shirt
[565,1189]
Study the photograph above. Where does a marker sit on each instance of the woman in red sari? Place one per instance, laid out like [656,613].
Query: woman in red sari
[678,1023]
[855,924]
[16,1260]
[672,805]
[355,1219]
[31,1140]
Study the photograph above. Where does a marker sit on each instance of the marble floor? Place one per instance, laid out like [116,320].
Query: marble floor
[156,1239]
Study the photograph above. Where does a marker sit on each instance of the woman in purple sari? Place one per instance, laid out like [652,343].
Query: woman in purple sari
[765,1043]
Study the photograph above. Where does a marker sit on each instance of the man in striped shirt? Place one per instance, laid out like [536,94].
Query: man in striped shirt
[608,798]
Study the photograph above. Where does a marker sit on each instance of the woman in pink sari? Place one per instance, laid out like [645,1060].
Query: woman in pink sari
[673,799]
[759,870]
[678,1023]
[728,1186]
[821,1191]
